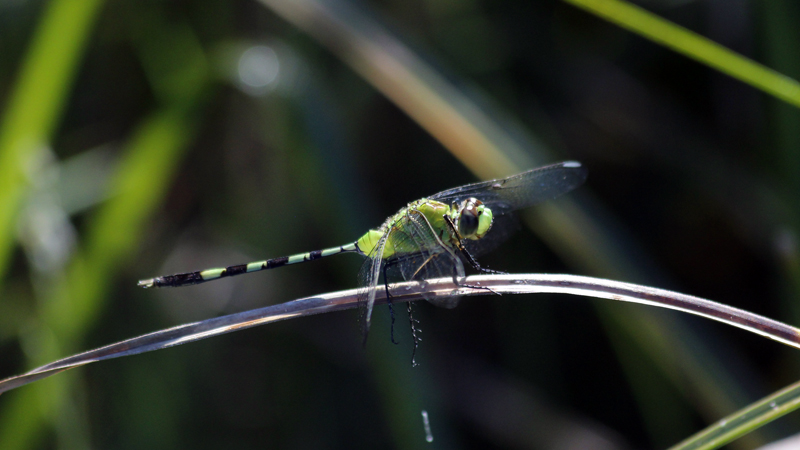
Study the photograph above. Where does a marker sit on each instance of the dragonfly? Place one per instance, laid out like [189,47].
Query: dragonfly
[429,238]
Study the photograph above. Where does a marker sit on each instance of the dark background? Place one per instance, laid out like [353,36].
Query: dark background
[693,185]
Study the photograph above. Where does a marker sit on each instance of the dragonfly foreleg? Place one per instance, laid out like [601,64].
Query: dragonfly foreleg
[472,286]
[474,263]
[470,259]
[480,269]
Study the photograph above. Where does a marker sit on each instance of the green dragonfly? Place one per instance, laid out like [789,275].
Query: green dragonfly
[428,238]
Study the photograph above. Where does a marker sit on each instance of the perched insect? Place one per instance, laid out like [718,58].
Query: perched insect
[428,238]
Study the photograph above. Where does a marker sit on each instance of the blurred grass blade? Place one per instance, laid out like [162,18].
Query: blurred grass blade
[75,303]
[438,106]
[744,421]
[411,291]
[694,46]
[37,102]
[143,175]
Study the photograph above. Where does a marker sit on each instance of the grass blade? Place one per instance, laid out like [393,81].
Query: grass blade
[694,46]
[406,292]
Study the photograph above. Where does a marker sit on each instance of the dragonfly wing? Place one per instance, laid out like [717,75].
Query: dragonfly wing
[420,254]
[432,257]
[368,278]
[503,196]
[521,190]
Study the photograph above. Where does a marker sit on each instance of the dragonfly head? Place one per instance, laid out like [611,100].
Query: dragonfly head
[474,219]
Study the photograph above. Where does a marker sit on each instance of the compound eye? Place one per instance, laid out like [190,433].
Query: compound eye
[468,221]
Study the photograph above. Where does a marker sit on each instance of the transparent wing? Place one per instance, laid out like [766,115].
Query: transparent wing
[521,190]
[433,257]
[503,196]
[431,266]
[427,257]
[368,278]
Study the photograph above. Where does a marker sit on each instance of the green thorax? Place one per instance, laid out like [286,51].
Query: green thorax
[434,213]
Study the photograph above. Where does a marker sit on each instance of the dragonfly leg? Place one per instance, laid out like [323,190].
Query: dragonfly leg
[474,263]
[473,286]
[477,267]
[421,266]
[470,259]
[414,330]
[411,318]
[389,302]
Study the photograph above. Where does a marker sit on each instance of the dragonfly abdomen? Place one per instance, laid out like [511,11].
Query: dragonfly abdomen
[201,276]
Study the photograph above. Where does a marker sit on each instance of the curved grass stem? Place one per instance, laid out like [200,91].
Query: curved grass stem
[405,292]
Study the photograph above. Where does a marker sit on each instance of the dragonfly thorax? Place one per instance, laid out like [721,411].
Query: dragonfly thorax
[428,223]
[472,218]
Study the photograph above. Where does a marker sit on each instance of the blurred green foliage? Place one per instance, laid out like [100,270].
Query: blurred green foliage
[142,138]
